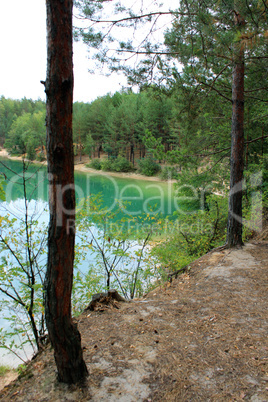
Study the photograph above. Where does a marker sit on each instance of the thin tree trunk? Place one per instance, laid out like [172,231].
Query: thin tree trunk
[234,226]
[262,141]
[63,334]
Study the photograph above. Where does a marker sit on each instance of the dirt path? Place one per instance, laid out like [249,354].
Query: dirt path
[8,378]
[201,338]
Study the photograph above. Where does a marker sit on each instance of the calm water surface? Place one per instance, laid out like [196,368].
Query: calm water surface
[140,196]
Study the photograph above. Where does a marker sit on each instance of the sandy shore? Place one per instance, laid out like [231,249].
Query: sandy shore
[81,167]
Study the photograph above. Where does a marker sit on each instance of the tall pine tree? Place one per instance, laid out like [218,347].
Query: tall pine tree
[219,45]
[63,333]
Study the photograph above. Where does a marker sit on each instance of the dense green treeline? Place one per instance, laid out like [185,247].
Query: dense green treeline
[116,124]
[158,123]
[22,125]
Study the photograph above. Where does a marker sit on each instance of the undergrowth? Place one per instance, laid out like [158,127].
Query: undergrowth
[4,370]
[192,235]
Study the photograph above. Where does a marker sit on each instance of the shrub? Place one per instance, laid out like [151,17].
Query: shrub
[95,164]
[148,166]
[121,164]
[107,165]
[31,153]
[193,235]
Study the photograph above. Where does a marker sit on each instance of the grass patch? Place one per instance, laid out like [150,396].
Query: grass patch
[4,370]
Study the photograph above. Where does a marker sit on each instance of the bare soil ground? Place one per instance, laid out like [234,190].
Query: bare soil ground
[202,337]
[8,378]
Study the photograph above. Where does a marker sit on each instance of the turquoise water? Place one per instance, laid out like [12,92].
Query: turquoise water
[138,196]
[141,196]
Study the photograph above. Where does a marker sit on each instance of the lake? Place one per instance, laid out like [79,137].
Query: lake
[139,197]
[142,196]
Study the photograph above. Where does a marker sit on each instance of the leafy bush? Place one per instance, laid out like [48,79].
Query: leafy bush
[148,166]
[84,285]
[31,153]
[107,165]
[95,164]
[193,235]
[121,164]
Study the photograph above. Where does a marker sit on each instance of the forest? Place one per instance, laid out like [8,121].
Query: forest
[201,120]
[182,114]
[156,124]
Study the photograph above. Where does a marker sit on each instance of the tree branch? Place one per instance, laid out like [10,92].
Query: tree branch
[218,75]
[223,96]
[258,89]
[133,17]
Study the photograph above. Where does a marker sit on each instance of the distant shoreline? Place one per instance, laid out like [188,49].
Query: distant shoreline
[81,167]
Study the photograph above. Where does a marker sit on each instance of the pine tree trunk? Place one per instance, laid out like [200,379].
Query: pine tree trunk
[234,226]
[63,334]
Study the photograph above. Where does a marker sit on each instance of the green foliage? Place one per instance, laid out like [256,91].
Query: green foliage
[148,166]
[121,164]
[89,145]
[169,173]
[255,200]
[2,192]
[25,371]
[11,109]
[84,285]
[95,164]
[115,124]
[191,125]
[119,245]
[21,369]
[107,165]
[21,276]
[153,145]
[26,134]
[83,141]
[30,149]
[22,264]
[192,235]
[4,370]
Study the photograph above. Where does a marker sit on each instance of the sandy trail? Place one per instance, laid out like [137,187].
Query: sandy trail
[202,337]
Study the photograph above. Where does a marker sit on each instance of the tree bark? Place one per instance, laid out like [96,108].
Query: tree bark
[234,226]
[63,334]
